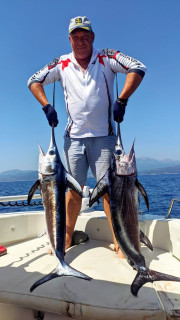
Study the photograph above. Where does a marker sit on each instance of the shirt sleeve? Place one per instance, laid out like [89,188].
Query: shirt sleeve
[120,62]
[46,75]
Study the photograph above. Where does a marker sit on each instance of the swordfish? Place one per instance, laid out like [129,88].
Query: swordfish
[53,181]
[122,185]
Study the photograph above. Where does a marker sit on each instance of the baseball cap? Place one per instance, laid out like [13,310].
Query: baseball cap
[80,22]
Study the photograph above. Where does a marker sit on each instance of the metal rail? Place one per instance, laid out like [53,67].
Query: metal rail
[13,201]
[21,200]
[171,205]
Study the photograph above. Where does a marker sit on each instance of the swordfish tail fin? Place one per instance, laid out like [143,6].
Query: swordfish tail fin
[63,270]
[50,276]
[146,275]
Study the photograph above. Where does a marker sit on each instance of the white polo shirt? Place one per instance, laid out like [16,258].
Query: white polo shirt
[89,96]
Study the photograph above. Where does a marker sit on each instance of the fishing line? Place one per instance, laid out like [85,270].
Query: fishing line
[117,86]
[54,95]
[119,140]
[53,107]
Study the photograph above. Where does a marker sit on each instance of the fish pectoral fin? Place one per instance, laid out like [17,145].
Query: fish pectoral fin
[142,192]
[100,189]
[32,191]
[146,275]
[73,184]
[144,239]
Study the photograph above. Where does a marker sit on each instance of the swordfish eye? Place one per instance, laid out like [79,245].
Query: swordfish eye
[51,152]
[118,152]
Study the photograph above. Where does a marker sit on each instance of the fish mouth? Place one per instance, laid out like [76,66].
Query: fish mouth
[45,174]
[47,170]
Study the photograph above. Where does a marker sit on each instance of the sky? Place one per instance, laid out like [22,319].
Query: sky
[34,32]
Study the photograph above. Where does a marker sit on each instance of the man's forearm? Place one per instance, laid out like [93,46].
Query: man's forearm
[132,82]
[38,92]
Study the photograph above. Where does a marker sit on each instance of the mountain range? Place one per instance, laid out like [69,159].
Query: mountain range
[166,170]
[18,175]
[144,166]
[151,163]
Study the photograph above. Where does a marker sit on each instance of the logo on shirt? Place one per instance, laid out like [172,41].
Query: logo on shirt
[111,53]
[53,63]
[65,63]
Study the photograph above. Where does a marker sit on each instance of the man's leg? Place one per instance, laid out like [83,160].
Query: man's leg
[77,165]
[108,215]
[99,161]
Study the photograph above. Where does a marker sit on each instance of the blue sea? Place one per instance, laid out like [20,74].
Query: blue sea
[160,189]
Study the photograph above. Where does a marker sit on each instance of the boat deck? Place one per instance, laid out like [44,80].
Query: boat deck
[106,296]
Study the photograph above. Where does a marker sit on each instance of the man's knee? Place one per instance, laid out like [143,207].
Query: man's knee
[73,196]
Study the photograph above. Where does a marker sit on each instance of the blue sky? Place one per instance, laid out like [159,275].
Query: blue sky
[34,32]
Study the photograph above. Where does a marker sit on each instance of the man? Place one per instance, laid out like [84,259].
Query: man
[87,78]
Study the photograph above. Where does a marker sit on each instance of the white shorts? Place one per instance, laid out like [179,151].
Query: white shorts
[83,153]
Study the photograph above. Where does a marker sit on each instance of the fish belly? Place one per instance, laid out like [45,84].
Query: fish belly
[53,196]
[124,211]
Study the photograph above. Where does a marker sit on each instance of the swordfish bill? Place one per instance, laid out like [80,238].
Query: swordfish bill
[53,181]
[122,185]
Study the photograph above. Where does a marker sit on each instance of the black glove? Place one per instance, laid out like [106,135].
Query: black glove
[51,115]
[119,109]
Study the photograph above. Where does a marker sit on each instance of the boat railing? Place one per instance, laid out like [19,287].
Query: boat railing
[20,200]
[171,205]
[13,200]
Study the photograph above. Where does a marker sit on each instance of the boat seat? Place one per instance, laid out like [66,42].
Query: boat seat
[107,296]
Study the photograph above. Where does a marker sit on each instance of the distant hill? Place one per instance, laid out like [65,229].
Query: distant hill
[151,163]
[144,166]
[167,170]
[18,175]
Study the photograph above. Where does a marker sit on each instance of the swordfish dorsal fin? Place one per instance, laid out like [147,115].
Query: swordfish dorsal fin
[32,191]
[142,192]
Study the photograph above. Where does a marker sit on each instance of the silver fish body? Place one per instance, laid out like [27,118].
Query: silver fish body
[53,182]
[122,185]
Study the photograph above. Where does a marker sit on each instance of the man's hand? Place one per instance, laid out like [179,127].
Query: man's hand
[119,109]
[51,115]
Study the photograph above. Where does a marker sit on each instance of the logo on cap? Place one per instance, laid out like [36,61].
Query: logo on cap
[78,20]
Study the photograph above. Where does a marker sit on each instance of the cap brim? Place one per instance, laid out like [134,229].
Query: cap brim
[79,27]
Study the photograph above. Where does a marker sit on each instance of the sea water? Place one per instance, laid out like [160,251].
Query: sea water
[160,190]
